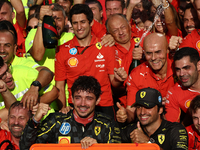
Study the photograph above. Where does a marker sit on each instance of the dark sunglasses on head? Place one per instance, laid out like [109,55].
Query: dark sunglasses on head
[28,29]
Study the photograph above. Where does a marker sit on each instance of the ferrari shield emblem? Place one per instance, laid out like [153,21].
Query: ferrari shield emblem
[136,40]
[161,138]
[98,45]
[142,94]
[97,130]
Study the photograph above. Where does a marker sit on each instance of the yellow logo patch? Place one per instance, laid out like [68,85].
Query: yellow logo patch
[161,138]
[198,45]
[142,94]
[98,45]
[97,130]
[73,62]
[187,103]
[64,139]
[136,40]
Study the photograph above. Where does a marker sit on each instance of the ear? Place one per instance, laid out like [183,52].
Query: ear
[72,99]
[15,49]
[91,24]
[98,100]
[101,13]
[124,11]
[198,65]
[160,111]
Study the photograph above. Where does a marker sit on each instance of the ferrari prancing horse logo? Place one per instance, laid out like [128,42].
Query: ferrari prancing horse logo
[142,94]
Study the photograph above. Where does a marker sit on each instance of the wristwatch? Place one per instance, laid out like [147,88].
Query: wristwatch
[37,83]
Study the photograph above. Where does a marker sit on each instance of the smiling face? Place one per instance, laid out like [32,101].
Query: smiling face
[17,120]
[186,71]
[190,20]
[155,50]
[81,26]
[84,103]
[6,76]
[7,47]
[148,116]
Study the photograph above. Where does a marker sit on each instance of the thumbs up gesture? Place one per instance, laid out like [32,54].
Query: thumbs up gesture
[121,113]
[138,136]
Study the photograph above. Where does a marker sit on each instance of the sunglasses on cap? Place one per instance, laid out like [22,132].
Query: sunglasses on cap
[28,29]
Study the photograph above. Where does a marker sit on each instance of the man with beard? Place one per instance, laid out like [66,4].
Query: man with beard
[17,119]
[156,73]
[187,67]
[151,127]
[194,129]
[82,125]
[192,39]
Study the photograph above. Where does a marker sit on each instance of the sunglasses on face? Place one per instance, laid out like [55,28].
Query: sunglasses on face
[28,29]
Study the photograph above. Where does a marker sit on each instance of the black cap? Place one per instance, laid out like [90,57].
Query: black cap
[148,97]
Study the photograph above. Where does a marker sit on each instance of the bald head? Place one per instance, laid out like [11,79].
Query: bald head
[155,38]
[155,49]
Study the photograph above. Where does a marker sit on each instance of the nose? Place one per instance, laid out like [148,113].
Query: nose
[79,26]
[9,75]
[83,102]
[120,31]
[143,110]
[1,48]
[190,23]
[199,121]
[153,56]
[182,72]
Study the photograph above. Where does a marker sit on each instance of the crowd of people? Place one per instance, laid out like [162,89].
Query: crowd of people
[122,71]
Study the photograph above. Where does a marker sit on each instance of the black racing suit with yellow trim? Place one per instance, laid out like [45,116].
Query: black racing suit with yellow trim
[169,136]
[62,128]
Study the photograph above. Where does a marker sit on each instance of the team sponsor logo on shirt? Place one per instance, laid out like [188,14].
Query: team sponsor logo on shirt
[73,62]
[120,62]
[64,139]
[98,45]
[182,131]
[187,103]
[198,45]
[161,138]
[100,66]
[99,58]
[97,130]
[116,52]
[136,40]
[183,137]
[65,128]
[142,94]
[73,51]
[117,130]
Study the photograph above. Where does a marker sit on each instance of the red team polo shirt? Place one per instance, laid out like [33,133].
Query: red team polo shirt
[124,58]
[97,61]
[192,40]
[193,138]
[143,77]
[178,97]
[5,135]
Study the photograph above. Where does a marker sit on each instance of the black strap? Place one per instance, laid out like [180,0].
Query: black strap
[82,50]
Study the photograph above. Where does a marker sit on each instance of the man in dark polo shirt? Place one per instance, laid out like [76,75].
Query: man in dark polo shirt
[151,127]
